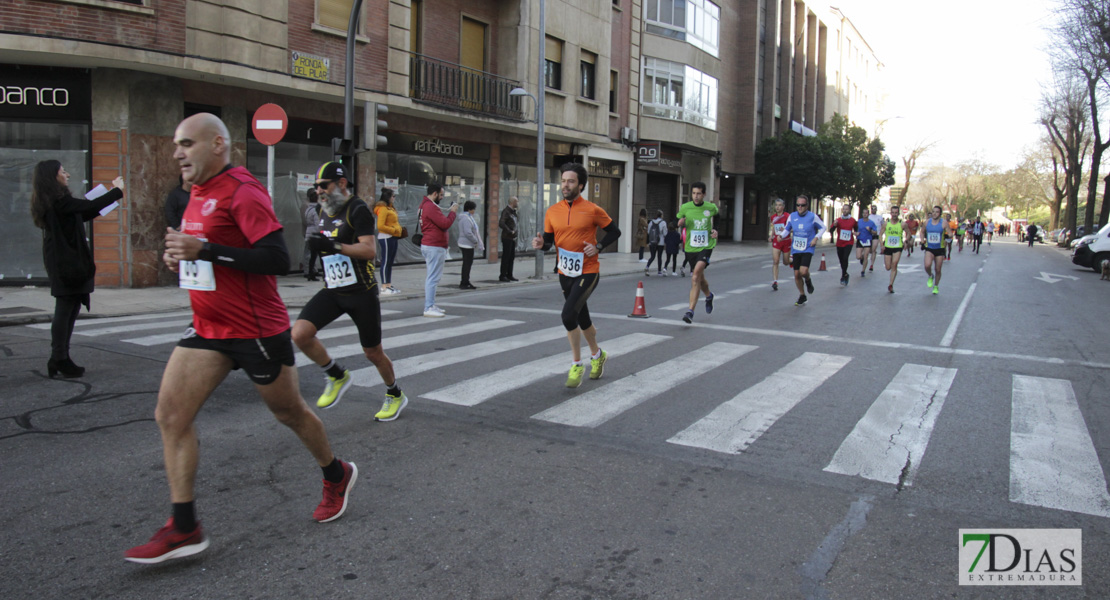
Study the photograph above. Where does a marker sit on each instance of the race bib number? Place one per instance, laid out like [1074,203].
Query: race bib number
[846,235]
[699,239]
[339,271]
[779,228]
[570,263]
[865,243]
[196,275]
[800,244]
[933,237]
[893,241]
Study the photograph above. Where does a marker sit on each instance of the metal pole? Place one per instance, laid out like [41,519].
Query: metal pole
[541,177]
[349,68]
[270,172]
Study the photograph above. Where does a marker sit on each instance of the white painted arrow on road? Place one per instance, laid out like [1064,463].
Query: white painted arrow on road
[1048,277]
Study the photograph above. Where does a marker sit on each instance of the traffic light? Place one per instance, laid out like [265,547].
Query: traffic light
[374,126]
[342,149]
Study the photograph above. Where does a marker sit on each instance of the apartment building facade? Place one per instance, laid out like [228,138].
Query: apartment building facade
[102,84]
[652,95]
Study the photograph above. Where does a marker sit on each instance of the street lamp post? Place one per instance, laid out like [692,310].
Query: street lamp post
[538,99]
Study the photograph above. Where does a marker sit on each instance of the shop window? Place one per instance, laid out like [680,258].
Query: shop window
[553,63]
[336,15]
[587,70]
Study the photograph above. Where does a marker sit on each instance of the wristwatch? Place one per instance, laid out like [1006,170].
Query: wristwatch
[205,252]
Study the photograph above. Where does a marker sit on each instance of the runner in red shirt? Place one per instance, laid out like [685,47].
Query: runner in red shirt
[911,226]
[780,247]
[227,255]
[844,231]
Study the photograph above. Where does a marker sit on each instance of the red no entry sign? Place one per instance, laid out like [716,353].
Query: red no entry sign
[269,124]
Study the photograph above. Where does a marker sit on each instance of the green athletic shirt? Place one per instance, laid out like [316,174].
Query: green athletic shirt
[699,225]
[893,229]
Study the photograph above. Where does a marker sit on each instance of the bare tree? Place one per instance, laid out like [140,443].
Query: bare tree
[1064,116]
[918,150]
[1082,49]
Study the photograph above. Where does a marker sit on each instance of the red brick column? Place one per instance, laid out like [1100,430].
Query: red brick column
[109,159]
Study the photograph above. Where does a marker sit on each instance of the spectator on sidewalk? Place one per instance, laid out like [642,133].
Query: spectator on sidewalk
[657,231]
[433,245]
[312,226]
[176,202]
[641,233]
[671,242]
[470,238]
[508,225]
[390,233]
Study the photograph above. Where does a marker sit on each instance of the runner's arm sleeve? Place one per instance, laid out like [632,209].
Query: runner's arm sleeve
[268,256]
[548,240]
[611,235]
[821,229]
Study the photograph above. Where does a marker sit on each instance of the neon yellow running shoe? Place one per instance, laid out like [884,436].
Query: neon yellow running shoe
[936,289]
[929,283]
[335,390]
[597,365]
[574,378]
[392,407]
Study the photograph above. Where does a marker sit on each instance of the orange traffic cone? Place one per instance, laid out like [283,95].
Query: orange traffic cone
[640,310]
[822,267]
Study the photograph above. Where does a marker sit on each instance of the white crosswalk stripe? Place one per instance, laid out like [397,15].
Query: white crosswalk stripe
[1053,462]
[734,425]
[329,333]
[180,324]
[476,390]
[412,339]
[686,305]
[888,442]
[407,367]
[106,320]
[598,406]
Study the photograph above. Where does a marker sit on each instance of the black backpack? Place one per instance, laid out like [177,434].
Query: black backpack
[653,232]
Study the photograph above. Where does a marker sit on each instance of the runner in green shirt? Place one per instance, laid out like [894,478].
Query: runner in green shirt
[892,245]
[697,217]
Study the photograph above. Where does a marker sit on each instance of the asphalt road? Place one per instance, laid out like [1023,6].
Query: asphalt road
[750,455]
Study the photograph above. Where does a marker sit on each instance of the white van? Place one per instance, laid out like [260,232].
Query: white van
[1090,252]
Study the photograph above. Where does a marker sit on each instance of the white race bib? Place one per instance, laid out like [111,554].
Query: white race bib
[196,275]
[865,243]
[801,244]
[779,228]
[933,237]
[846,235]
[570,263]
[893,241]
[699,238]
[339,271]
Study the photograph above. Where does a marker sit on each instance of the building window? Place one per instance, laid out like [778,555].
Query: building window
[613,81]
[416,29]
[335,14]
[676,91]
[697,22]
[587,70]
[553,63]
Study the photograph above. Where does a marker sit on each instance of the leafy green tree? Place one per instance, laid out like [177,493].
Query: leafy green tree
[865,169]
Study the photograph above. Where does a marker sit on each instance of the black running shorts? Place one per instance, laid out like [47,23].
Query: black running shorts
[801,259]
[362,306]
[888,251]
[261,359]
[700,256]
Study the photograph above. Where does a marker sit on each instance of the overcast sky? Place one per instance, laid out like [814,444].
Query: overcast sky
[967,74]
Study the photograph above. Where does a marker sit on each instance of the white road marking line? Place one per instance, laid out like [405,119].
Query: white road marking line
[686,305]
[888,442]
[408,367]
[178,324]
[328,333]
[599,405]
[413,339]
[734,425]
[815,337]
[474,391]
[1053,462]
[104,321]
[950,335]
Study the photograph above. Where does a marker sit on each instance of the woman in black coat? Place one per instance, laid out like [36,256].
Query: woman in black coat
[66,253]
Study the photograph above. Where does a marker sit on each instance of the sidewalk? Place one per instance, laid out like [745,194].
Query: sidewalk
[30,304]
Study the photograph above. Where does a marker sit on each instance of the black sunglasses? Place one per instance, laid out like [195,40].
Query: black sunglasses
[324,184]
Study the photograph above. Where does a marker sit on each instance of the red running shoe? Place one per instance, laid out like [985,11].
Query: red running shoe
[335,495]
[168,543]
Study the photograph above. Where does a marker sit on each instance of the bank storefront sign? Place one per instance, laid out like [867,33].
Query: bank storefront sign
[1029,557]
[44,93]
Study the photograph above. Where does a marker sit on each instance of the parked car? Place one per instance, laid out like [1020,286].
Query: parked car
[1054,235]
[1091,251]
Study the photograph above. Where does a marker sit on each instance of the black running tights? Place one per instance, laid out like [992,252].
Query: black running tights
[66,309]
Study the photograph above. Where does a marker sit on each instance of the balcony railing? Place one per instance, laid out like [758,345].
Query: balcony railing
[452,86]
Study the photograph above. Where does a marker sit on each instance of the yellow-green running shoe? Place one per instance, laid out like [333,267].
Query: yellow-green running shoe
[574,378]
[335,390]
[597,365]
[936,289]
[929,283]
[392,407]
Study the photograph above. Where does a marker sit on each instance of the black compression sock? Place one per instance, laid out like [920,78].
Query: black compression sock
[334,369]
[394,390]
[185,516]
[334,471]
